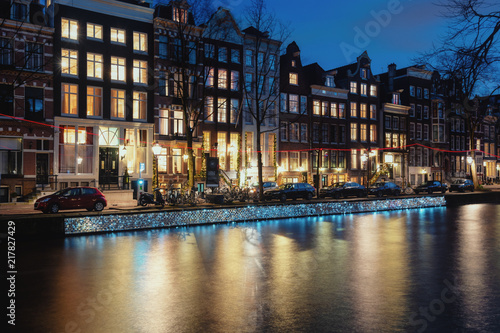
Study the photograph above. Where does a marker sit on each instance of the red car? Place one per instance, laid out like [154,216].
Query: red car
[88,198]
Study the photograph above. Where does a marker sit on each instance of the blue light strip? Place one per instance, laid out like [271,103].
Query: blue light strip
[108,223]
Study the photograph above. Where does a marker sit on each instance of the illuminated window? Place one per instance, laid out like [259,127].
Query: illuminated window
[373,133]
[94,101]
[363,89]
[209,108]
[117,35]
[140,71]
[206,141]
[221,149]
[180,15]
[178,123]
[69,29]
[354,132]
[293,78]
[117,69]
[235,80]
[354,87]
[117,103]
[373,90]
[354,159]
[139,108]
[354,109]
[222,80]
[234,111]
[324,108]
[316,107]
[363,111]
[69,62]
[334,110]
[363,132]
[210,77]
[341,110]
[94,65]
[221,110]
[69,99]
[94,31]
[140,41]
[373,111]
[364,73]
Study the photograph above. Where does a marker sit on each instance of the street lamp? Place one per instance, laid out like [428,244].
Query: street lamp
[156,152]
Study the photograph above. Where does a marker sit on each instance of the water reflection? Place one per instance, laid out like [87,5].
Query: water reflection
[358,273]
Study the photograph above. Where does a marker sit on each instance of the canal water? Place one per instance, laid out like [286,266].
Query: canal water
[427,270]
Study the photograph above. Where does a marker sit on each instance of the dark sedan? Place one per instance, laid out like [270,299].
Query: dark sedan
[88,198]
[339,190]
[462,185]
[431,186]
[380,189]
[291,191]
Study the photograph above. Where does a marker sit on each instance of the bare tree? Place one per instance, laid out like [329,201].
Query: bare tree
[469,55]
[264,38]
[190,69]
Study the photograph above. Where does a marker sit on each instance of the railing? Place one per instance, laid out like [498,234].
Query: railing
[45,180]
[226,178]
[114,182]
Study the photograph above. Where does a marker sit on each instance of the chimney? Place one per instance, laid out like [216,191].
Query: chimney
[391,71]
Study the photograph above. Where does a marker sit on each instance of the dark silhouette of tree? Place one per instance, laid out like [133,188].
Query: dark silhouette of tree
[469,54]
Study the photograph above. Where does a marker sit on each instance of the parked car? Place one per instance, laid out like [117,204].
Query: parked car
[291,191]
[265,185]
[339,190]
[380,189]
[88,198]
[462,185]
[431,186]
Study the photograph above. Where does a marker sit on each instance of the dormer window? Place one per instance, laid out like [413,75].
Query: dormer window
[364,73]
[19,11]
[180,15]
[330,81]
[395,99]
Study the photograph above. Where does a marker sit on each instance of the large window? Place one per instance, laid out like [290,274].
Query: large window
[69,99]
[11,156]
[283,131]
[222,54]
[7,99]
[94,31]
[221,149]
[140,41]
[163,47]
[249,58]
[363,89]
[209,108]
[178,123]
[5,51]
[94,65]
[76,151]
[354,109]
[293,78]
[117,103]
[234,110]
[34,56]
[221,110]
[293,103]
[33,103]
[117,69]
[373,90]
[363,110]
[294,132]
[373,111]
[235,56]
[69,29]
[164,121]
[69,62]
[140,71]
[117,35]
[94,101]
[222,79]
[316,107]
[235,80]
[139,108]
[363,132]
[373,133]
[353,87]
[354,132]
[354,159]
[303,132]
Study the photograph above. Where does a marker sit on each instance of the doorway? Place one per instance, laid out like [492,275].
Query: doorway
[42,169]
[108,166]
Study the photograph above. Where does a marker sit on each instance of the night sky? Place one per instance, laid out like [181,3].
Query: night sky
[326,31]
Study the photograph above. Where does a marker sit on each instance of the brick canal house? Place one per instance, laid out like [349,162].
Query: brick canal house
[363,117]
[26,100]
[103,96]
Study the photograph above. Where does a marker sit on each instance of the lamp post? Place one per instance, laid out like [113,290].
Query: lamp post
[364,159]
[156,152]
